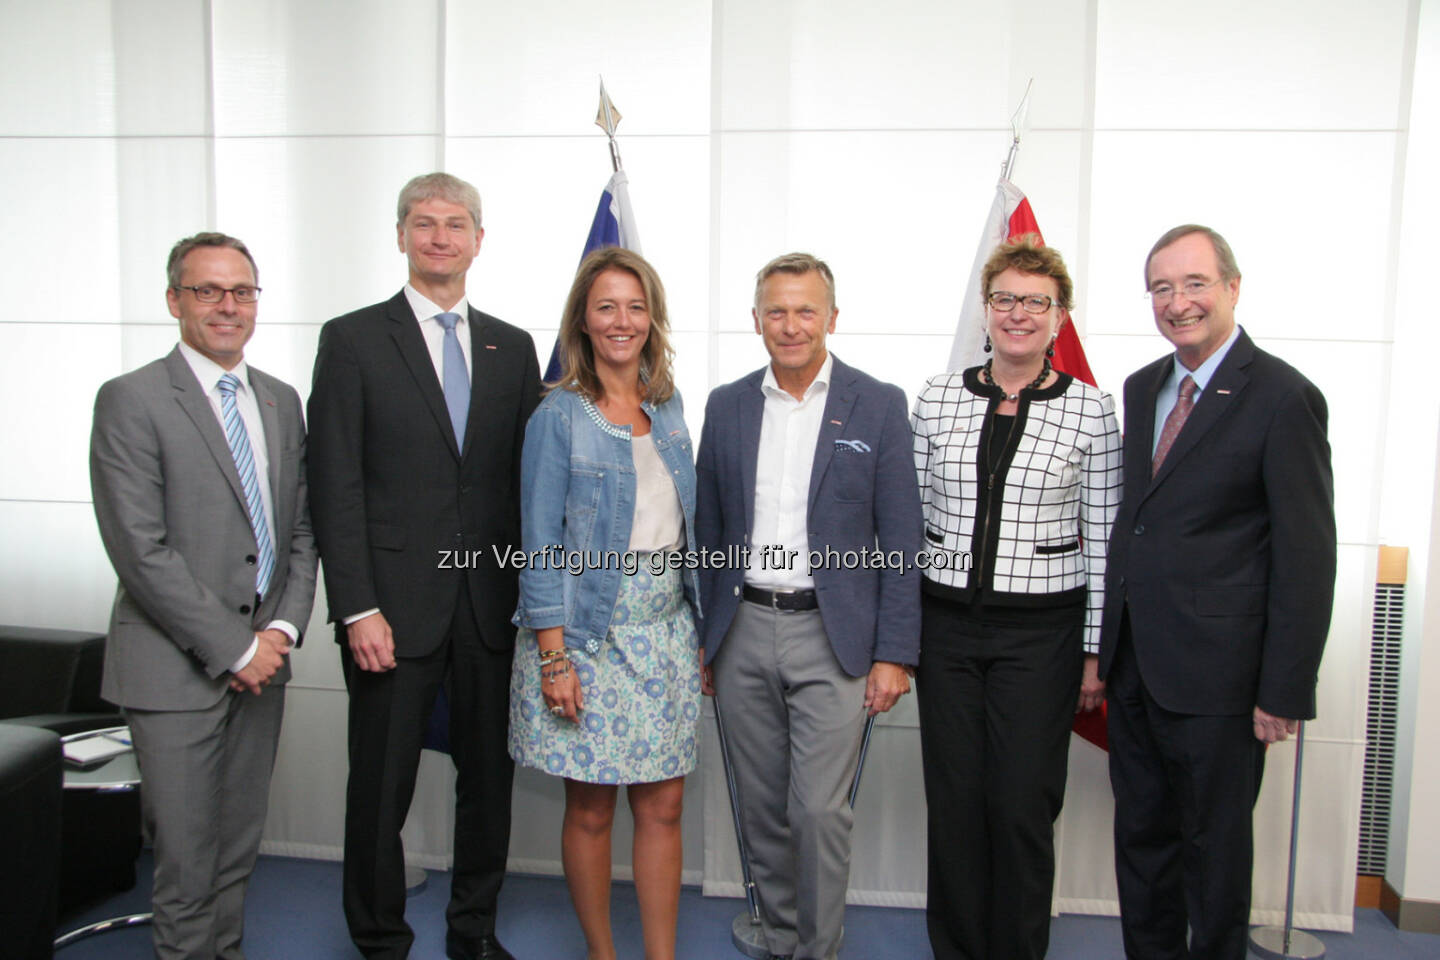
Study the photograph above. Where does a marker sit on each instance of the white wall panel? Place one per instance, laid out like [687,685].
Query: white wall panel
[162,60]
[45,42]
[534,68]
[53,568]
[1280,65]
[909,64]
[336,67]
[58,256]
[55,372]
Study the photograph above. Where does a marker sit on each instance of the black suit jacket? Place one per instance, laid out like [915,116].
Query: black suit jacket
[392,496]
[1226,559]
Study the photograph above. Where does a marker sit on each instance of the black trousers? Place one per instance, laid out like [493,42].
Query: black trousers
[997,690]
[389,713]
[1185,789]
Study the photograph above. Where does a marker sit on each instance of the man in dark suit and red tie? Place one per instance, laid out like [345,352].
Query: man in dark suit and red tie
[1219,585]
[417,417]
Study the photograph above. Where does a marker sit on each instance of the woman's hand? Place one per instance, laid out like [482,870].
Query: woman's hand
[1092,688]
[559,683]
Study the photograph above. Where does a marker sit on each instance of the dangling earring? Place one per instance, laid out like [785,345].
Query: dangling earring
[987,343]
[1050,350]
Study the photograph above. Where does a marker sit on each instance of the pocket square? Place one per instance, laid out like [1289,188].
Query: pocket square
[859,446]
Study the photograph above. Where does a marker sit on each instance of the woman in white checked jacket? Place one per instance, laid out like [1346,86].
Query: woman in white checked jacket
[1019,471]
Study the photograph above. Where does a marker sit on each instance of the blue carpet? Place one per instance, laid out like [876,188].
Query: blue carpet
[293,911]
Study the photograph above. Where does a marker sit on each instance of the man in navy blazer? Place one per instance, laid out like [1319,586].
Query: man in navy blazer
[805,469]
[1217,602]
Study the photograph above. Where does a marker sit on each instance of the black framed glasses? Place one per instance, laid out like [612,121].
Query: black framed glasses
[1031,302]
[209,293]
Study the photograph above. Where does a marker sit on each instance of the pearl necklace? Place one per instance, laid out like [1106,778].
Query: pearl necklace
[989,377]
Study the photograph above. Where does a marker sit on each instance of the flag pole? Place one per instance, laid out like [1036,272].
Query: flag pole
[1018,122]
[607,118]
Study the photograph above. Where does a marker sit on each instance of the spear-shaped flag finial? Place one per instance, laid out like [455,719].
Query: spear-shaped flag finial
[607,118]
[1019,126]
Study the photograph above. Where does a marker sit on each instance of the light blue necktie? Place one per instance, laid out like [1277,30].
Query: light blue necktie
[239,442]
[457,380]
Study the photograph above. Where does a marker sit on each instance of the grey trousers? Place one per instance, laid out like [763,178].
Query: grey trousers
[205,788]
[793,719]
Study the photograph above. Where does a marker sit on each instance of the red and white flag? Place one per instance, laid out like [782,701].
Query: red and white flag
[1011,216]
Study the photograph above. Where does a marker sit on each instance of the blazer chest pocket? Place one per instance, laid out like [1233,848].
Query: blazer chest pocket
[933,535]
[1052,549]
[852,476]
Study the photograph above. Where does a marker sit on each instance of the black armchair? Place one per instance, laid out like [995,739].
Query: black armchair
[51,679]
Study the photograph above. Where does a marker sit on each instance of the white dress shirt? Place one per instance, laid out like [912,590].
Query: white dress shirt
[426,310]
[208,372]
[789,430]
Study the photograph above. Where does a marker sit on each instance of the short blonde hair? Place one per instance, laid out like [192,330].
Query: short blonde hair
[1027,253]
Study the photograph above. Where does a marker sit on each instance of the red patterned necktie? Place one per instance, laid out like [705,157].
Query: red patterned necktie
[1178,415]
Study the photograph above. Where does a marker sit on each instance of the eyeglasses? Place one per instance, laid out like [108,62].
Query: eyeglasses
[1033,302]
[1163,293]
[207,293]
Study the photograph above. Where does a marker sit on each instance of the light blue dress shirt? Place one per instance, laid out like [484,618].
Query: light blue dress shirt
[1170,390]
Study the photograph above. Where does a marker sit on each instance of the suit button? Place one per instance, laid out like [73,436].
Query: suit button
[737,591]
[459,538]
[1139,529]
[244,608]
[465,490]
[250,559]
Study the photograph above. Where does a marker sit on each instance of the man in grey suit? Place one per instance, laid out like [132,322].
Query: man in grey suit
[197,465]
[805,469]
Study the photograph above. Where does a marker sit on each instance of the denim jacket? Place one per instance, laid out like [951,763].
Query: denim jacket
[578,495]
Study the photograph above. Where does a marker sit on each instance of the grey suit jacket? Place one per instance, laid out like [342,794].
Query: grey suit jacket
[173,519]
[863,498]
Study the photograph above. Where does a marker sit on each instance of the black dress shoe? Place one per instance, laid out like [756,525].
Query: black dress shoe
[485,948]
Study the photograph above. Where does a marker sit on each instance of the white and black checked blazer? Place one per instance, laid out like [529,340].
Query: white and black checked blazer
[1052,495]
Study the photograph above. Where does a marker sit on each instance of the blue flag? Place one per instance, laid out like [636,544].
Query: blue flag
[613,226]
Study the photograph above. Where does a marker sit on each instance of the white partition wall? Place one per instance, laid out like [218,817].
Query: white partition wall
[868,134]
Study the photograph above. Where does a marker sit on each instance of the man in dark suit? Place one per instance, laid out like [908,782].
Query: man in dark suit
[417,415]
[197,466]
[1218,592]
[806,467]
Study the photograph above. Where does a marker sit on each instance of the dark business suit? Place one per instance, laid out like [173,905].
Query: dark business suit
[172,515]
[1219,584]
[794,731]
[393,493]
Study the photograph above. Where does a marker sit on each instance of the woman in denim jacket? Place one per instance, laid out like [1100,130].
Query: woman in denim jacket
[605,688]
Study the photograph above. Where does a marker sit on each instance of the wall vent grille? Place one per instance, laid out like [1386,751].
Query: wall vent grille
[1381,712]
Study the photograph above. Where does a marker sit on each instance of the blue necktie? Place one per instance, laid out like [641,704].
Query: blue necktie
[239,442]
[457,380]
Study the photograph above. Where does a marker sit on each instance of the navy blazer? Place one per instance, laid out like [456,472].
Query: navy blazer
[1225,560]
[863,497]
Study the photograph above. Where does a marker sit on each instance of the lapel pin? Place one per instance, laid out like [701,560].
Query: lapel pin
[490,346]
[836,422]
[1223,393]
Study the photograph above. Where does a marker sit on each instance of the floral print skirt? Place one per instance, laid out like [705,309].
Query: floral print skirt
[641,693]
